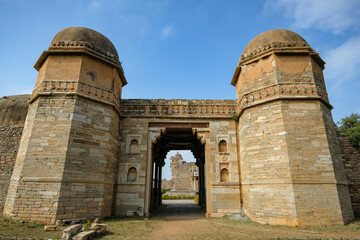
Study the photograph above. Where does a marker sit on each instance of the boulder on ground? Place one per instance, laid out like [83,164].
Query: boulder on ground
[98,227]
[85,235]
[71,231]
[49,228]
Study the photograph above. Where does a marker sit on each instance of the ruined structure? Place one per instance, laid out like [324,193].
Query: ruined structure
[184,177]
[272,154]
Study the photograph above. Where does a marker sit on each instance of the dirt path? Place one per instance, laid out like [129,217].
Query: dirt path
[183,219]
[228,229]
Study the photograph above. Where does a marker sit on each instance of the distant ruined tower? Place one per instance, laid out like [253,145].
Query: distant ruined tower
[183,174]
[175,162]
[291,169]
[66,164]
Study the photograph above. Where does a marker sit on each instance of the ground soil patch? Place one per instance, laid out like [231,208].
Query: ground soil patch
[202,228]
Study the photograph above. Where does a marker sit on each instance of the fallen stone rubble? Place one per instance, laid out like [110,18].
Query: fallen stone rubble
[77,232]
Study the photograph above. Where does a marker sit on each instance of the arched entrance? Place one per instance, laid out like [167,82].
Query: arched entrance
[175,136]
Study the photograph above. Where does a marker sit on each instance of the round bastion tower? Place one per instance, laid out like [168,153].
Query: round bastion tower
[66,161]
[291,169]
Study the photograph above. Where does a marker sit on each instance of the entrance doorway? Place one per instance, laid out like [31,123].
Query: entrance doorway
[175,138]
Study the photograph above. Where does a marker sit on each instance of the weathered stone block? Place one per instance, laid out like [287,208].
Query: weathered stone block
[71,231]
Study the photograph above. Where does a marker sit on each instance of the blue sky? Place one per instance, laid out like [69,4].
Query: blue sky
[184,48]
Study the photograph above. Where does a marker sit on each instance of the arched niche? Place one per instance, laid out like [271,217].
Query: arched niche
[223,146]
[132,175]
[224,175]
[134,146]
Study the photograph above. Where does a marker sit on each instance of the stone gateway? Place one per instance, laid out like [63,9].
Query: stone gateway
[273,154]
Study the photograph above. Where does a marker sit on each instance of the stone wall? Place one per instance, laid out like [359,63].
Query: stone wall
[289,165]
[9,144]
[36,180]
[291,170]
[138,114]
[13,111]
[70,147]
[166,184]
[89,174]
[351,159]
[130,195]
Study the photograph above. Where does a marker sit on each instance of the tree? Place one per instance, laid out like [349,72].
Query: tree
[350,127]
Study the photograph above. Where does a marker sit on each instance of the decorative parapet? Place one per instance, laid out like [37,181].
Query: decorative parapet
[282,91]
[79,44]
[177,108]
[69,87]
[273,46]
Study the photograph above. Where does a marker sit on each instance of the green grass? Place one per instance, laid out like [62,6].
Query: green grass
[9,228]
[143,228]
[129,227]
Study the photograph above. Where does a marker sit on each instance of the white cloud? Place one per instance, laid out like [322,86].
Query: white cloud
[167,31]
[94,4]
[335,16]
[343,64]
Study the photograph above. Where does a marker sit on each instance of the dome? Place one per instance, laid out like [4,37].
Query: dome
[277,37]
[91,38]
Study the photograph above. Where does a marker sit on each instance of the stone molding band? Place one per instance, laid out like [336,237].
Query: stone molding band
[289,91]
[185,109]
[77,44]
[71,87]
[65,180]
[274,46]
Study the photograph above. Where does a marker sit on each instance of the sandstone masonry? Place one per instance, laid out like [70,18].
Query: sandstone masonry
[272,154]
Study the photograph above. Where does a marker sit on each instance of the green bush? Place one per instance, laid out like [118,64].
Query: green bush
[167,197]
[350,127]
[196,198]
[164,190]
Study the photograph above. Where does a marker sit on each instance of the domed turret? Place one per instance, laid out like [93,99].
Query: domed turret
[275,41]
[276,38]
[80,40]
[80,36]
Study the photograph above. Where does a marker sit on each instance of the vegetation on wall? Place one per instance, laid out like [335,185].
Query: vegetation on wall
[350,127]
[164,190]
